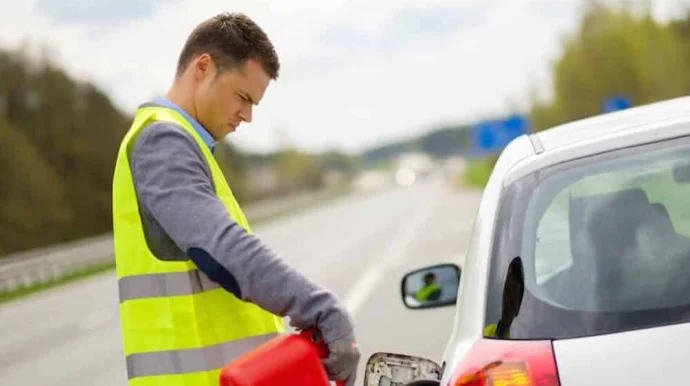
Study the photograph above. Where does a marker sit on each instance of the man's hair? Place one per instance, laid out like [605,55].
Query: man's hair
[230,39]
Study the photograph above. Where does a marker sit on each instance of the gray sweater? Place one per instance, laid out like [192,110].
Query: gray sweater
[183,219]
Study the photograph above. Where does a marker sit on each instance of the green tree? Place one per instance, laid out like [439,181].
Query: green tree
[60,140]
[298,171]
[615,51]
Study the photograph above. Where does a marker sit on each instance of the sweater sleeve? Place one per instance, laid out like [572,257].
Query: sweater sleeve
[174,184]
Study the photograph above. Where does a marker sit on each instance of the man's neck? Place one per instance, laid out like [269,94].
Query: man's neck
[180,98]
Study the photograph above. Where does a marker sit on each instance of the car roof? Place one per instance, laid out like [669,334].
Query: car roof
[602,125]
[601,133]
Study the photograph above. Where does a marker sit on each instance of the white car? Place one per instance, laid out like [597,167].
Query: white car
[578,266]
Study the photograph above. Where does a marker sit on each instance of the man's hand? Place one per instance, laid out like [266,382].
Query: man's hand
[341,364]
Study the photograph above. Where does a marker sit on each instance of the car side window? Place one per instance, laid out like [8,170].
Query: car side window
[552,251]
[603,243]
[670,199]
[651,198]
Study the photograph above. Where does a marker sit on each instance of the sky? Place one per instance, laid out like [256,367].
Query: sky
[354,73]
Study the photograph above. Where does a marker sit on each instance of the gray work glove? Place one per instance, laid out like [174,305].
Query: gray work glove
[341,364]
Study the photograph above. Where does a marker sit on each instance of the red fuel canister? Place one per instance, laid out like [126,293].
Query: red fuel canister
[288,360]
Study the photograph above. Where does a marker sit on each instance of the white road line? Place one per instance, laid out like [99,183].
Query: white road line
[393,256]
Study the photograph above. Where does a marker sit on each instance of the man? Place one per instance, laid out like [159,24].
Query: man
[197,288]
[513,292]
[431,290]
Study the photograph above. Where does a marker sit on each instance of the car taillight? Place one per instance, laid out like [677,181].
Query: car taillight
[507,363]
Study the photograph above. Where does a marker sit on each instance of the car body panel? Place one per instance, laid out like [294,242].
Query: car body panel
[653,356]
[615,123]
[606,142]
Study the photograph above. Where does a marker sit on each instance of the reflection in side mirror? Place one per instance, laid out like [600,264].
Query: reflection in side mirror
[431,287]
[384,369]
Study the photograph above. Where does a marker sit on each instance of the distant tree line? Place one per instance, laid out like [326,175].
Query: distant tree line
[440,143]
[616,51]
[58,141]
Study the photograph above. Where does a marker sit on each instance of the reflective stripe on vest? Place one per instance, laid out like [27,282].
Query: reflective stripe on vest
[179,328]
[191,361]
[164,284]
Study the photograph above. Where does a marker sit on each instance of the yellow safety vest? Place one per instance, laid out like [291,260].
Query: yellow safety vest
[425,292]
[179,327]
[491,331]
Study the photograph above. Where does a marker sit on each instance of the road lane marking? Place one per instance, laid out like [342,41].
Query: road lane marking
[396,251]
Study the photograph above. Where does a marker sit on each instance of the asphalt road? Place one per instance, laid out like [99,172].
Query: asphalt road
[359,246]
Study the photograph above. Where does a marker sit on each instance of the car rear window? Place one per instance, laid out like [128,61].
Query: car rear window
[594,246]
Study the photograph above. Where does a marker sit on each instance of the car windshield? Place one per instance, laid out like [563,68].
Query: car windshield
[593,246]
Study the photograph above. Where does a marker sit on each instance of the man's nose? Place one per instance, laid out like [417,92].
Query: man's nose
[246,113]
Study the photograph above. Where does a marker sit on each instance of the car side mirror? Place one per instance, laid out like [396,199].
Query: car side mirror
[386,369]
[431,287]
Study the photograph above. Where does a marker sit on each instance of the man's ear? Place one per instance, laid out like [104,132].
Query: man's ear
[203,67]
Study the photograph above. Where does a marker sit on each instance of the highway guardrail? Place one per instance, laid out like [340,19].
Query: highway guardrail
[44,265]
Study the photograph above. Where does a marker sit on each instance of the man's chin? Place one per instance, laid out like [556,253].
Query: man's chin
[226,131]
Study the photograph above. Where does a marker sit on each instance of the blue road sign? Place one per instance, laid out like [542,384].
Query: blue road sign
[616,102]
[494,135]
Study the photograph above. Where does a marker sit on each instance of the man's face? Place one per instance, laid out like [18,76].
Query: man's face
[226,99]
